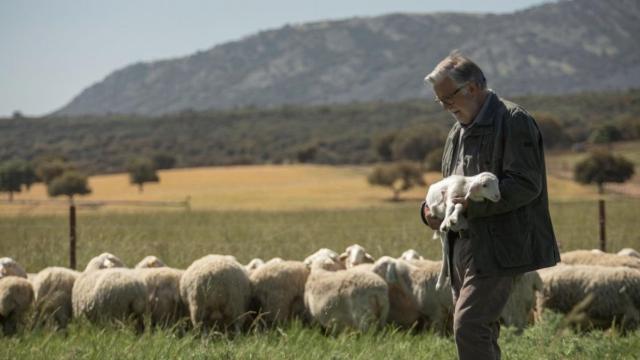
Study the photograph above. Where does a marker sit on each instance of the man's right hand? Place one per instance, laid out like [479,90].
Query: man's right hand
[433,222]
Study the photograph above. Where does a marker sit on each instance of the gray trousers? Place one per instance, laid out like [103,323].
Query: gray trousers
[478,302]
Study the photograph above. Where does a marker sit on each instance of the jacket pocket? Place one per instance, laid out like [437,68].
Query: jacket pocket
[511,236]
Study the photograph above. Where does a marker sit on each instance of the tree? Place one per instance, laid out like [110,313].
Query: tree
[29,176]
[70,183]
[415,143]
[382,146]
[400,176]
[141,171]
[602,167]
[11,177]
[163,161]
[605,134]
[47,170]
[552,131]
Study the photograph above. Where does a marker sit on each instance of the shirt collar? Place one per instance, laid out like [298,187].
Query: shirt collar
[483,110]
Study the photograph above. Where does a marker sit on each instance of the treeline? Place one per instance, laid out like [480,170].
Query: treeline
[358,133]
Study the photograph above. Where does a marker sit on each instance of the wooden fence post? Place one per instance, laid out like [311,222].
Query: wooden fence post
[602,220]
[72,236]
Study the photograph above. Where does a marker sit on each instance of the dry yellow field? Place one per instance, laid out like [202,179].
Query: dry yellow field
[267,187]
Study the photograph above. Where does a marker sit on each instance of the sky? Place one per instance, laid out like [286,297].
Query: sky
[51,50]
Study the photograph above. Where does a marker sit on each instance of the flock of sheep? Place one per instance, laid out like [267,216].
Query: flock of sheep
[347,291]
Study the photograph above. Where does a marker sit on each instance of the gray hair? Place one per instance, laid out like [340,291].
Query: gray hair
[459,68]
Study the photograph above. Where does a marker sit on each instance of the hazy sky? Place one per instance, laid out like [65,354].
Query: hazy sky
[50,50]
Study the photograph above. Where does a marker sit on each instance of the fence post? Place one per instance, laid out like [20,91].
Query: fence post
[602,221]
[72,236]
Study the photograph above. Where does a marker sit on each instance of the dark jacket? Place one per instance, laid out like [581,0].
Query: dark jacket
[515,234]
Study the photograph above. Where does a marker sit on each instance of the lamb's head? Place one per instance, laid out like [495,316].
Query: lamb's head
[484,186]
[10,267]
[150,262]
[355,255]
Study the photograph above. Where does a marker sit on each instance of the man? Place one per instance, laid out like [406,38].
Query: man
[506,238]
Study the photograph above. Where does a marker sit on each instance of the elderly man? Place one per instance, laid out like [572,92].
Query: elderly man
[506,238]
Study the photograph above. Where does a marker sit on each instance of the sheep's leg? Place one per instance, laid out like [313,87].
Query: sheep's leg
[446,222]
[457,221]
[444,269]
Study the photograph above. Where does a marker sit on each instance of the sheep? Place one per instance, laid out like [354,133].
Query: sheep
[16,296]
[439,200]
[150,262]
[410,255]
[628,252]
[53,288]
[325,254]
[102,293]
[587,257]
[278,290]
[10,267]
[349,299]
[165,304]
[216,290]
[593,295]
[253,265]
[355,255]
[413,297]
[520,308]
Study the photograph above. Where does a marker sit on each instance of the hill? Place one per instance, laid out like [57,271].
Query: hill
[562,47]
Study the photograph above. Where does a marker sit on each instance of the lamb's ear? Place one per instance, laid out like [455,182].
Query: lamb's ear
[473,189]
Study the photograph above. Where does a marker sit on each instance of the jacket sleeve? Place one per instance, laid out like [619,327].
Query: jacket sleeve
[522,168]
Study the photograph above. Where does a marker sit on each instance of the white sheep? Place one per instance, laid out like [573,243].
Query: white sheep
[10,267]
[588,257]
[410,255]
[520,308]
[629,252]
[593,295]
[349,299]
[107,294]
[16,297]
[324,254]
[278,290]
[413,297]
[163,295]
[150,261]
[253,265]
[439,200]
[53,288]
[216,290]
[355,255]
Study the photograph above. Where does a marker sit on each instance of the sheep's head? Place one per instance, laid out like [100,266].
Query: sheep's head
[150,262]
[484,186]
[10,267]
[355,255]
[324,258]
[254,264]
[411,255]
[104,261]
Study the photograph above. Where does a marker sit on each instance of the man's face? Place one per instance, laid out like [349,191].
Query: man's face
[461,101]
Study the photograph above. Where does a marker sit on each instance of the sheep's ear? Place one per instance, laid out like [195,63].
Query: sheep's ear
[3,271]
[391,276]
[368,258]
[343,257]
[473,189]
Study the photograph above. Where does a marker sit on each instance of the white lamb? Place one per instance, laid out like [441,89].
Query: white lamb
[349,299]
[440,197]
[53,287]
[355,255]
[217,290]
[150,261]
[163,294]
[324,254]
[16,297]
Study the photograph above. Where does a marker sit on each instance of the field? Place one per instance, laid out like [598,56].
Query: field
[286,211]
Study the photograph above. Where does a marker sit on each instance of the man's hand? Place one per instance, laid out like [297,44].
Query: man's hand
[433,222]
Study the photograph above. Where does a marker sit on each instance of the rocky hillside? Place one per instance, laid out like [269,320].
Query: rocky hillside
[568,46]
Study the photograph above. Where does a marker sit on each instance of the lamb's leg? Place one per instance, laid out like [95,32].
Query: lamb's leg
[444,269]
[446,222]
[456,219]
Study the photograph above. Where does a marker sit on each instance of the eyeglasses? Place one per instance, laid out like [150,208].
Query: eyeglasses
[447,100]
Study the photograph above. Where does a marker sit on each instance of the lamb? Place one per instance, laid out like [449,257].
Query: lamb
[106,294]
[355,255]
[150,262]
[439,200]
[163,295]
[16,297]
[53,287]
[521,305]
[349,299]
[278,290]
[413,297]
[629,252]
[587,257]
[595,296]
[10,267]
[216,290]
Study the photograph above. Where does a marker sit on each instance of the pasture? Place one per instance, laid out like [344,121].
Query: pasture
[289,212]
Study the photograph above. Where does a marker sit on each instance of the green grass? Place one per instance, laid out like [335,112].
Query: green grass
[178,238]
